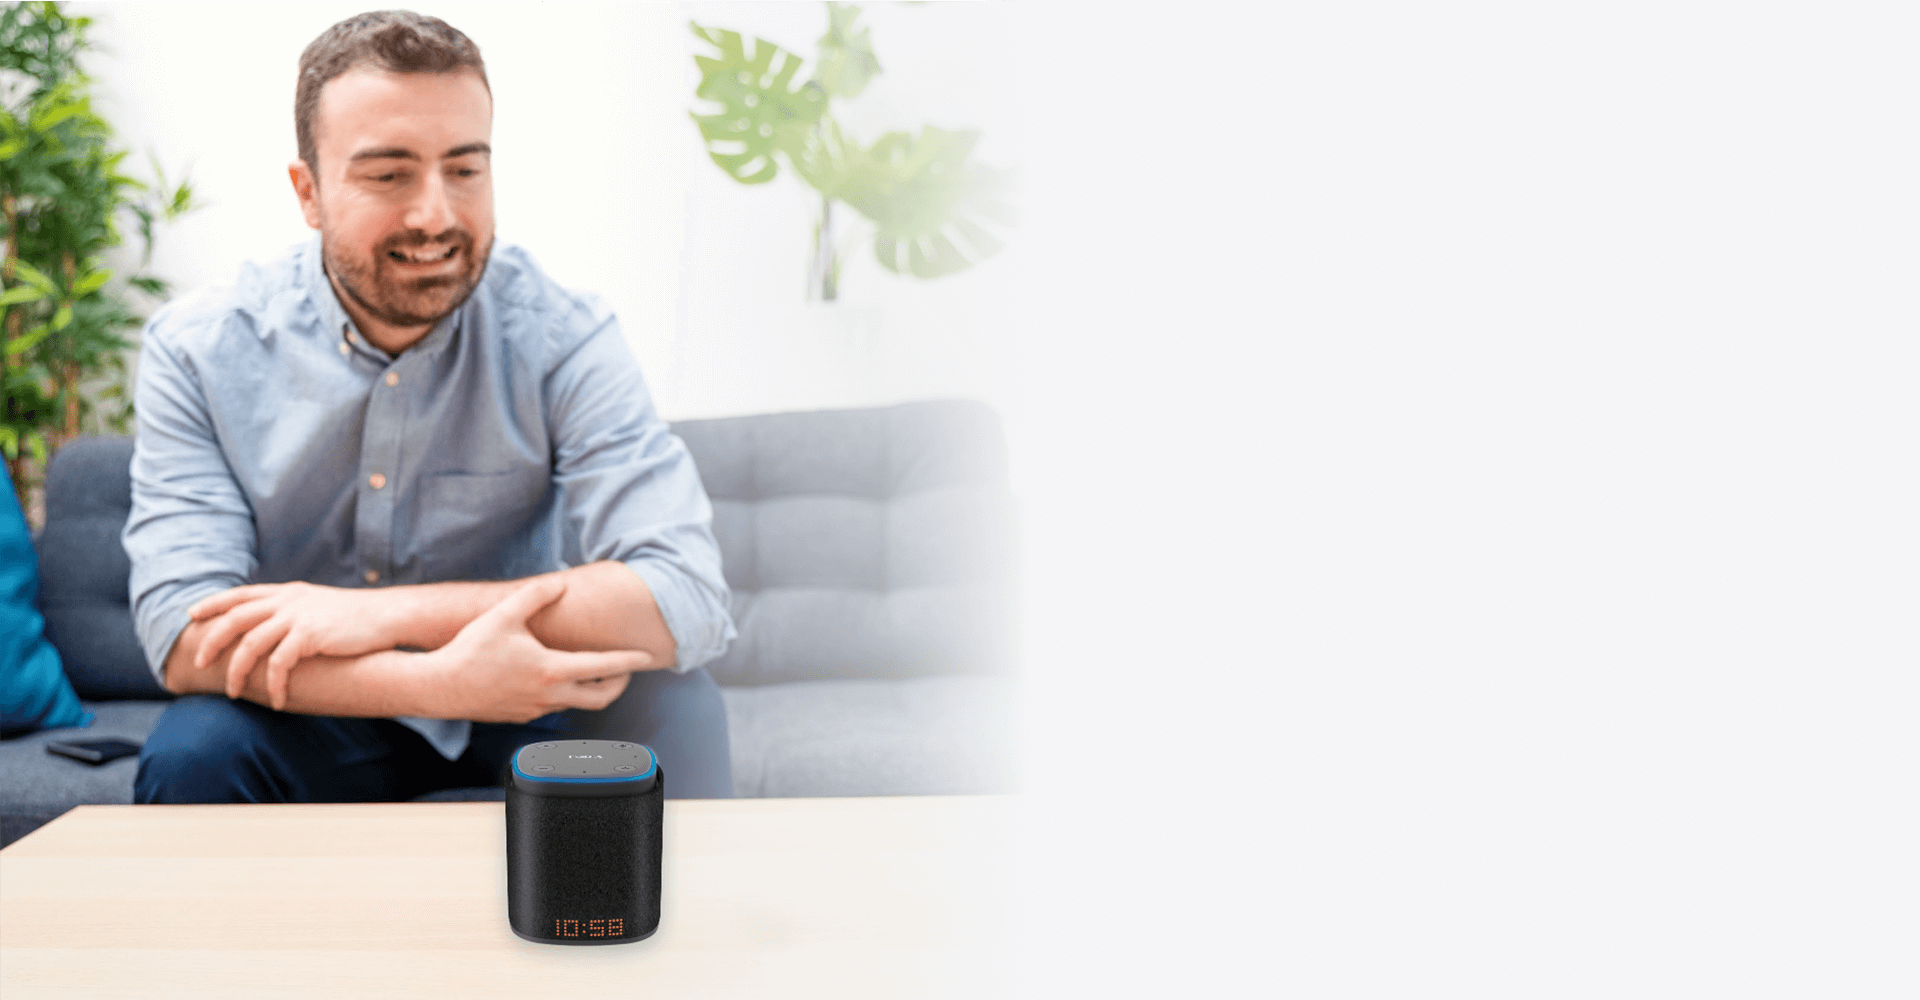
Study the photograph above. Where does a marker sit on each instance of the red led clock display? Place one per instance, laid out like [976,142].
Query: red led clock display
[610,927]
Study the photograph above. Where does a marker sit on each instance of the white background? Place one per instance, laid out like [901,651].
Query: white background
[1468,458]
[1491,568]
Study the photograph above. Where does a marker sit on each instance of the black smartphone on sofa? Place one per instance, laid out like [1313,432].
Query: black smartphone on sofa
[94,751]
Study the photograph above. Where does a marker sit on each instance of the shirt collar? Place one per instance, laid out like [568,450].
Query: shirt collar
[336,323]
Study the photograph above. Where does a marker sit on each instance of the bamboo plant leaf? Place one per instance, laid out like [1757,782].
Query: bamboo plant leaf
[13,136]
[20,294]
[91,281]
[56,106]
[929,203]
[756,99]
[33,276]
[847,63]
[26,341]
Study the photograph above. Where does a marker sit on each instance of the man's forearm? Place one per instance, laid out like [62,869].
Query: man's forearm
[493,670]
[375,686]
[606,606]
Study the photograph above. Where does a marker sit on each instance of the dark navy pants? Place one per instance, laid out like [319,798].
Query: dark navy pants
[208,748]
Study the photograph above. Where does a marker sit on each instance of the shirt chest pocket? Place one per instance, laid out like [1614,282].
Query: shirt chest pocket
[473,525]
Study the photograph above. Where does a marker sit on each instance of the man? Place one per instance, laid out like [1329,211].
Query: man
[401,504]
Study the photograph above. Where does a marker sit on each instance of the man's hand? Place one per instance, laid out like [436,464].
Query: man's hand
[494,670]
[287,622]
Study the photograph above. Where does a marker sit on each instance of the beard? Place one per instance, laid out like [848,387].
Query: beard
[408,302]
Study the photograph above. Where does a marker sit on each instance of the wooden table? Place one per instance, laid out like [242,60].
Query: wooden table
[885,897]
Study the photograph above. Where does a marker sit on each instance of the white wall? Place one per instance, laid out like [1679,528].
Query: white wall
[600,173]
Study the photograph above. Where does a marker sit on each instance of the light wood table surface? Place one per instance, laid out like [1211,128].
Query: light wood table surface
[884,897]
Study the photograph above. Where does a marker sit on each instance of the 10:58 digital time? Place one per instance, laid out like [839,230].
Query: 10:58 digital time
[610,927]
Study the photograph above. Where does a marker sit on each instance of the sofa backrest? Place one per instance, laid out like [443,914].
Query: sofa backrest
[83,570]
[858,543]
[861,543]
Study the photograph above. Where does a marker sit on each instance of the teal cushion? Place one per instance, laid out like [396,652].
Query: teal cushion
[34,692]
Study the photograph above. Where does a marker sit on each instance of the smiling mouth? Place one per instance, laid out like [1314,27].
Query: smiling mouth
[424,255]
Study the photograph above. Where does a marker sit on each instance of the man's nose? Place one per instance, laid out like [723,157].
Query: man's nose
[431,209]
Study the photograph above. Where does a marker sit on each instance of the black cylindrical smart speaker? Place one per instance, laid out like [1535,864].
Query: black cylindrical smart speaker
[583,842]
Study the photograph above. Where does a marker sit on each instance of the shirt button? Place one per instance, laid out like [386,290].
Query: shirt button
[344,349]
[377,481]
[373,576]
[393,378]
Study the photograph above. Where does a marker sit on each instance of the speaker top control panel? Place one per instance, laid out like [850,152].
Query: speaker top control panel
[585,768]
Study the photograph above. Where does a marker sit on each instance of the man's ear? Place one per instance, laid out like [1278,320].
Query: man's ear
[307,189]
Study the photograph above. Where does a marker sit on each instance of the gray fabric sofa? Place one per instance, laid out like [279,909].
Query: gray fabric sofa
[869,552]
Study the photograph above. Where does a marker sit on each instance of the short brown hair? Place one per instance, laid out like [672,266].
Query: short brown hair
[398,41]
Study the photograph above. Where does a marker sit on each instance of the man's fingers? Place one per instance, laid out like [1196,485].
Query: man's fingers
[586,666]
[595,695]
[220,603]
[524,603]
[285,657]
[225,630]
[263,638]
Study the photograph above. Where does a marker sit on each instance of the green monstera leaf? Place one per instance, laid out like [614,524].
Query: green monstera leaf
[927,201]
[823,156]
[935,211]
[847,63]
[757,101]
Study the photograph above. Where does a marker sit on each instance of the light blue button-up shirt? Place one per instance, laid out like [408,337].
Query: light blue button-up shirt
[275,443]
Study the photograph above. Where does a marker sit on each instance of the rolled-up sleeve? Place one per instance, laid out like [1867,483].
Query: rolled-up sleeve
[191,530]
[630,489]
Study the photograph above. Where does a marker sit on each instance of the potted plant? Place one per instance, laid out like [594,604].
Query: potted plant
[933,209]
[63,198]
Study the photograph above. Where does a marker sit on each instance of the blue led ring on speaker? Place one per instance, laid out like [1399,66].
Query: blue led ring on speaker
[585,768]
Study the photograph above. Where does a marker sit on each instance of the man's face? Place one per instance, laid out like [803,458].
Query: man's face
[404,193]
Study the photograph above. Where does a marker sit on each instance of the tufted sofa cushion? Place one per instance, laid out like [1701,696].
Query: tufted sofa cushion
[867,543]
[917,736]
[83,570]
